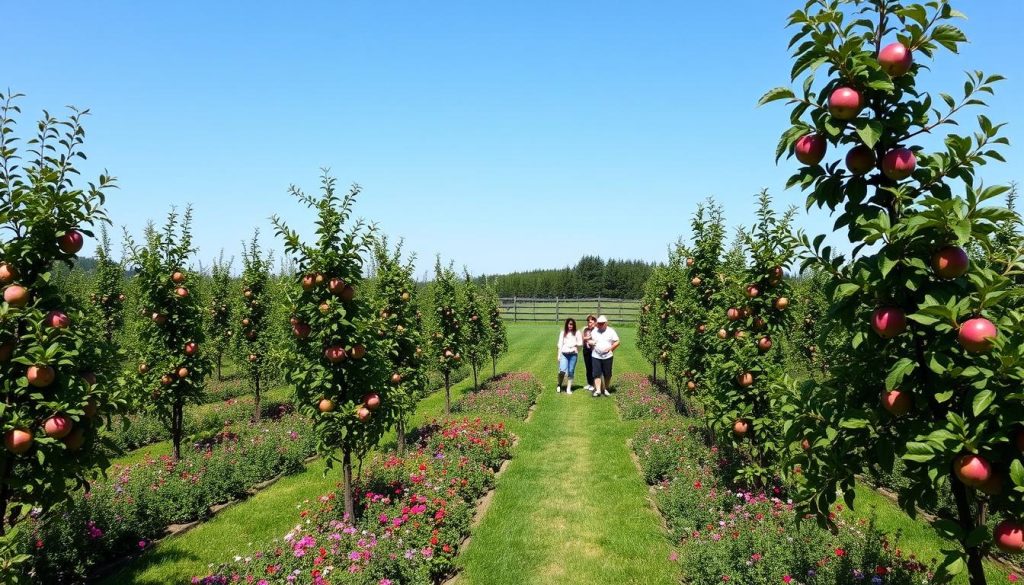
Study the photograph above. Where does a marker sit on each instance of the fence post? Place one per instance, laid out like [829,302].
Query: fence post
[558,312]
[515,310]
[598,304]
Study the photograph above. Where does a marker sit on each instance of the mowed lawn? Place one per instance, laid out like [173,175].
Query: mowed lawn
[570,508]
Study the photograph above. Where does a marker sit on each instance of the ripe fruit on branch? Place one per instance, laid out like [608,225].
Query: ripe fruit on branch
[363,414]
[326,405]
[781,304]
[253,358]
[159,318]
[805,445]
[702,328]
[994,485]
[845,103]
[950,262]
[899,163]
[181,291]
[166,380]
[860,160]
[759,323]
[691,385]
[396,378]
[740,428]
[301,330]
[405,297]
[972,469]
[178,277]
[89,377]
[325,308]
[977,335]
[348,293]
[895,59]
[308,282]
[358,351]
[7,350]
[732,314]
[57,426]
[18,441]
[75,439]
[696,281]
[57,320]
[810,149]
[897,402]
[764,344]
[183,373]
[40,376]
[753,291]
[247,293]
[7,273]
[745,379]
[71,242]
[16,295]
[1009,536]
[246,322]
[722,334]
[191,348]
[739,334]
[888,322]
[372,401]
[336,285]
[689,262]
[143,368]
[335,354]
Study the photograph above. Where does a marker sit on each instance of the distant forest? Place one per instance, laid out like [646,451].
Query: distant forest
[590,277]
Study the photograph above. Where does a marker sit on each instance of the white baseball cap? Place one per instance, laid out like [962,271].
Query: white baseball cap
[602,319]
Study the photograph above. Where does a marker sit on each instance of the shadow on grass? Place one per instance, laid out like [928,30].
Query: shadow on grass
[129,569]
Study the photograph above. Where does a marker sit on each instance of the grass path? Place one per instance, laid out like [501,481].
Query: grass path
[571,507]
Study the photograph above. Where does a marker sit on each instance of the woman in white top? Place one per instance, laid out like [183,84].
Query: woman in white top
[569,342]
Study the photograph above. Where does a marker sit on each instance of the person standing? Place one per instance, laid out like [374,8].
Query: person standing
[588,352]
[605,340]
[569,342]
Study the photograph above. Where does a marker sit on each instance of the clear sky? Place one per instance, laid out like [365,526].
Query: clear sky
[504,136]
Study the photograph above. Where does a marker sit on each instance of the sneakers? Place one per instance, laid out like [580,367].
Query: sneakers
[606,393]
[596,393]
[558,389]
[568,391]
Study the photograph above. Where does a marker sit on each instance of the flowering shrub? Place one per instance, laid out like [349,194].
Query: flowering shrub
[726,533]
[637,398]
[509,395]
[137,502]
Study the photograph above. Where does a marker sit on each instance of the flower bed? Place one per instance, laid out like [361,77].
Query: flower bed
[124,513]
[725,533]
[413,511]
[637,399]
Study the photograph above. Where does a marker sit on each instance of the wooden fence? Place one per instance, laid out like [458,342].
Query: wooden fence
[618,311]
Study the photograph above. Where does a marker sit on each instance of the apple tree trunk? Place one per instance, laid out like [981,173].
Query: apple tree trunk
[494,366]
[975,569]
[176,427]
[256,396]
[350,508]
[476,385]
[400,437]
[447,393]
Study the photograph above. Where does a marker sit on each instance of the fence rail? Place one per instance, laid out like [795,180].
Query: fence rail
[621,311]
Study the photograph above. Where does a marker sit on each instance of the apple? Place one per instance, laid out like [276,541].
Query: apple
[247,293]
[336,285]
[91,409]
[805,445]
[405,297]
[7,350]
[301,330]
[57,426]
[75,440]
[845,103]
[977,334]
[739,334]
[895,59]
[740,428]
[166,380]
[293,320]
[253,357]
[57,320]
[335,354]
[689,262]
[159,319]
[358,351]
[764,344]
[71,242]
[860,160]
[759,323]
[18,441]
[396,378]
[372,401]
[722,334]
[732,313]
[251,335]
[993,486]
[745,379]
[177,277]
[183,372]
[308,282]
[318,278]
[753,291]
[181,291]
[972,469]
[16,295]
[89,377]
[888,322]
[40,376]
[363,414]
[325,308]
[348,293]
[702,328]
[691,385]
[899,163]
[781,303]
[457,357]
[696,281]
[143,368]
[246,322]
[810,149]
[897,402]
[1009,536]
[950,262]
[121,297]
[326,405]
[7,273]
[191,348]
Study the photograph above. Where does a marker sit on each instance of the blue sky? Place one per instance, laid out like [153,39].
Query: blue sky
[503,136]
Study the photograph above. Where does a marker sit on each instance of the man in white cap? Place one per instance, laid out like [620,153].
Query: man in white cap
[605,341]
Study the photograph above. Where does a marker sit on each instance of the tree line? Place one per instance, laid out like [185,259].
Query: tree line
[591,276]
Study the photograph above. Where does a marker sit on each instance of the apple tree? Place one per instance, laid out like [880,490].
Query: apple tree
[401,328]
[340,368]
[935,358]
[108,295]
[477,342]
[220,327]
[253,323]
[445,328]
[171,368]
[497,338]
[55,372]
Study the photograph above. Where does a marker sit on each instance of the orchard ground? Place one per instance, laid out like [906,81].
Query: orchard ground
[571,507]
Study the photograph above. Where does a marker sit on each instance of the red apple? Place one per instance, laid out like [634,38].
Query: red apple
[781,303]
[702,328]
[753,291]
[7,273]
[732,313]
[993,486]
[764,344]
[75,440]
[336,285]
[895,59]
[89,377]
[18,441]
[253,357]
[335,354]
[181,291]
[246,322]
[143,368]
[348,293]
[57,426]
[1009,536]
[972,469]
[396,378]
[326,405]
[183,372]
[689,261]
[897,402]
[860,160]
[159,319]
[40,376]
[805,445]
[977,334]
[1019,440]
[166,380]
[372,401]
[7,350]
[191,348]
[177,277]
[950,262]
[691,385]
[121,297]
[358,351]
[739,334]
[899,163]
[71,242]
[363,414]
[740,428]
[745,379]
[91,409]
[845,103]
[308,282]
[810,149]
[57,320]
[301,330]
[888,322]
[722,334]
[16,295]
[696,281]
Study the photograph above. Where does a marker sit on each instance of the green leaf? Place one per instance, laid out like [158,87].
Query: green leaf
[899,371]
[982,400]
[919,452]
[869,131]
[775,94]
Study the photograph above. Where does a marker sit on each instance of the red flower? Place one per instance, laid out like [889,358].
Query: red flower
[840,552]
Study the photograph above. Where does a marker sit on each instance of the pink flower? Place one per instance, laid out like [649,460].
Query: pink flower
[786,579]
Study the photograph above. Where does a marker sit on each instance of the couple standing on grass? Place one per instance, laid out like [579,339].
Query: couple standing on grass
[598,341]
